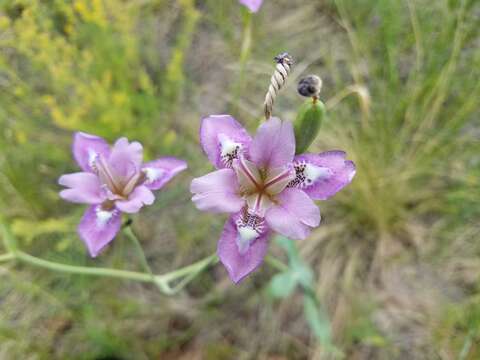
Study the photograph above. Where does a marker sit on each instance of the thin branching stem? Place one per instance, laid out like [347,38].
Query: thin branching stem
[185,274]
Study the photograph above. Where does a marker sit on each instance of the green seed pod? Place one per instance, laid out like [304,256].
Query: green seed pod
[307,124]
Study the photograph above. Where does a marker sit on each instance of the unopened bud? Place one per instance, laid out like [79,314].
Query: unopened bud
[310,86]
[307,124]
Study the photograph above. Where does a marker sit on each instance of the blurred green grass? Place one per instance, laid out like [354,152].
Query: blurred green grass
[397,258]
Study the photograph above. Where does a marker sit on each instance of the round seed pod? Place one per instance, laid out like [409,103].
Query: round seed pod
[310,86]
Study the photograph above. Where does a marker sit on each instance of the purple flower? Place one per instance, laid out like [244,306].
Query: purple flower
[264,186]
[113,181]
[252,5]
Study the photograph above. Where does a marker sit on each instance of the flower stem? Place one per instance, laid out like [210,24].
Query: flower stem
[127,230]
[190,272]
[245,51]
[6,257]
[275,263]
[186,274]
[81,270]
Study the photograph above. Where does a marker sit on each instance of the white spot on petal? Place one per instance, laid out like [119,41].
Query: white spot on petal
[314,173]
[92,156]
[153,174]
[103,216]
[229,149]
[246,235]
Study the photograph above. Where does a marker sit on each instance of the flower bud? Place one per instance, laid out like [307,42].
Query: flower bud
[307,124]
[310,86]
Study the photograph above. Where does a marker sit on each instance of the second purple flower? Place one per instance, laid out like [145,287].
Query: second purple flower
[113,180]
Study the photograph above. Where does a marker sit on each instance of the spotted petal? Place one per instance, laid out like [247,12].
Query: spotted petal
[322,175]
[274,144]
[241,261]
[86,148]
[159,172]
[98,227]
[223,139]
[294,214]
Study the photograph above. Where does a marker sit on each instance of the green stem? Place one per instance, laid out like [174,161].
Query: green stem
[275,263]
[82,270]
[6,257]
[186,274]
[190,272]
[127,230]
[247,40]
[245,51]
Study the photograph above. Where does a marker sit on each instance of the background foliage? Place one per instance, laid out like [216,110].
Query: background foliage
[396,261]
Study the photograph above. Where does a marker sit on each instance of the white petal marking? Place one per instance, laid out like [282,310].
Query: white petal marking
[229,149]
[314,173]
[351,175]
[92,156]
[246,235]
[103,216]
[153,174]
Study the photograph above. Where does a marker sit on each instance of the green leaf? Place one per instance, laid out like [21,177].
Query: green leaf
[300,270]
[283,284]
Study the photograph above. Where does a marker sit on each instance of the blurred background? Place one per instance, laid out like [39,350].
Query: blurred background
[397,258]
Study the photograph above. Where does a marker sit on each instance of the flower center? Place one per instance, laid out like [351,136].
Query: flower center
[259,186]
[117,185]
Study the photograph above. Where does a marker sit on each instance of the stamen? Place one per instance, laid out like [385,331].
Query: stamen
[248,175]
[105,175]
[131,183]
[258,203]
[278,179]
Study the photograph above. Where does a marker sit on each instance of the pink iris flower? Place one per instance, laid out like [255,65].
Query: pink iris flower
[264,186]
[252,5]
[113,181]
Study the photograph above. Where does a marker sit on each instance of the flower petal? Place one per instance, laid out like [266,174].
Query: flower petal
[223,139]
[274,144]
[125,158]
[322,175]
[140,196]
[98,227]
[86,148]
[217,192]
[294,214]
[252,5]
[159,172]
[238,263]
[84,188]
